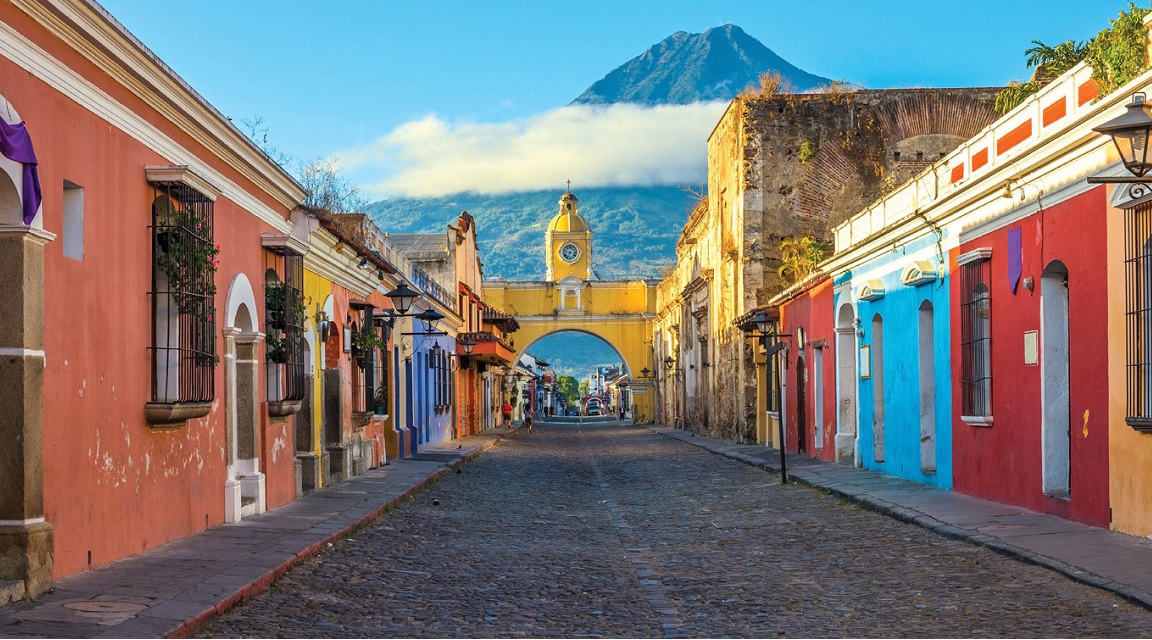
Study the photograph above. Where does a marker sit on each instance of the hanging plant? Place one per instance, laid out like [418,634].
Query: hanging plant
[188,258]
[364,341]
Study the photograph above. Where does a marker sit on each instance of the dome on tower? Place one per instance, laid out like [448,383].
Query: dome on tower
[568,220]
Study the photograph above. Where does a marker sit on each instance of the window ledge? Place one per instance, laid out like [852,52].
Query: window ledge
[361,418]
[977,421]
[1141,424]
[165,416]
[281,408]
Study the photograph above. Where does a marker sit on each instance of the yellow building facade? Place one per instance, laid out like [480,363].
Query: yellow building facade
[571,298]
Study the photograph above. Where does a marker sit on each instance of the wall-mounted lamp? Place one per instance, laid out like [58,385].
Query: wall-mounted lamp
[322,325]
[363,263]
[1130,132]
[645,374]
[1012,185]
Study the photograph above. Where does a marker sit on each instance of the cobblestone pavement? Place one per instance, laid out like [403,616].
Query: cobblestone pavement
[592,531]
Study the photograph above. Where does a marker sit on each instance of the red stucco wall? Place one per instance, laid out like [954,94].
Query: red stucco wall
[1003,462]
[811,310]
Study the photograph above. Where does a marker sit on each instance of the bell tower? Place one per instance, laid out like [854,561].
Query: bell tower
[568,244]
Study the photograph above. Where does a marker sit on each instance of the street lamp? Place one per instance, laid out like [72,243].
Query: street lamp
[467,345]
[402,298]
[764,325]
[430,317]
[1130,132]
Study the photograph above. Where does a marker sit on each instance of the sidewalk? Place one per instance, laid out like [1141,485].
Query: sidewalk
[1112,561]
[170,591]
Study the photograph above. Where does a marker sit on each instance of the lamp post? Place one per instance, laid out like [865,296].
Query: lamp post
[764,325]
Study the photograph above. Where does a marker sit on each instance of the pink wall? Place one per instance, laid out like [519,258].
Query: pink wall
[112,485]
[1003,462]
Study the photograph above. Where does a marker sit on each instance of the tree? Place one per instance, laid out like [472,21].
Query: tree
[1049,62]
[570,389]
[328,190]
[799,257]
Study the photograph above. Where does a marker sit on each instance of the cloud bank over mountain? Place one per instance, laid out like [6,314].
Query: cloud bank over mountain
[603,145]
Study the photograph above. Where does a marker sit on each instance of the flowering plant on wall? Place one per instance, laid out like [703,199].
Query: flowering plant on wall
[189,259]
[366,340]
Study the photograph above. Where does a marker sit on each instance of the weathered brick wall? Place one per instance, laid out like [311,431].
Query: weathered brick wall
[862,144]
[763,188]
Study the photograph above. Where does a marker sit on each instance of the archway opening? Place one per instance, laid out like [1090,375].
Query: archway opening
[577,373]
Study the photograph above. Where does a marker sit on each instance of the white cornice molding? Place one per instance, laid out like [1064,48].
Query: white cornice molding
[26,54]
[182,174]
[283,241]
[326,262]
[983,253]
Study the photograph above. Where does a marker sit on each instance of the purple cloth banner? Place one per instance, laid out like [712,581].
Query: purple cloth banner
[16,145]
[1015,259]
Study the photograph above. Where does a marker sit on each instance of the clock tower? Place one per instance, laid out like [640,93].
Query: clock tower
[568,244]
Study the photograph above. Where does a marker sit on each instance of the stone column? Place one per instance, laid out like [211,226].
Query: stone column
[26,539]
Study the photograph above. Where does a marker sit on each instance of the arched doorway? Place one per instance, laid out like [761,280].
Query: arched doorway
[244,491]
[877,369]
[927,347]
[846,384]
[1055,406]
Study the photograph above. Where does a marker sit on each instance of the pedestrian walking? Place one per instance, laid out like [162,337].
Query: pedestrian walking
[506,411]
[528,421]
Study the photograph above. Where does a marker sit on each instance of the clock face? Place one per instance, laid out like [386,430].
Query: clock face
[569,252]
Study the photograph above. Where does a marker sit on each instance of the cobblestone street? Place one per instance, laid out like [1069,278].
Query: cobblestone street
[607,530]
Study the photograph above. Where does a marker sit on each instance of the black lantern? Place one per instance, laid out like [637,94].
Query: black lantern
[763,323]
[646,374]
[430,318]
[402,298]
[669,363]
[467,346]
[1130,133]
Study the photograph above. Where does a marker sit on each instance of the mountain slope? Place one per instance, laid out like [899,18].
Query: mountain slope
[693,67]
[635,228]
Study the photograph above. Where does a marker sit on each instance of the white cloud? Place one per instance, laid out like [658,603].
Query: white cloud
[592,146]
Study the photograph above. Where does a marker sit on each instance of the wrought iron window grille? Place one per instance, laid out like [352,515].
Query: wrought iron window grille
[976,338]
[184,263]
[285,308]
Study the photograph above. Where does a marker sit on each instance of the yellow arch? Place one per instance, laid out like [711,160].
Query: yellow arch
[619,312]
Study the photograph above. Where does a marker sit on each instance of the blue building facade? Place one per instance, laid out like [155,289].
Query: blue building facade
[899,303]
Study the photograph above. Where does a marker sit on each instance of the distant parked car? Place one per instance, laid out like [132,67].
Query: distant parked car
[573,411]
[592,407]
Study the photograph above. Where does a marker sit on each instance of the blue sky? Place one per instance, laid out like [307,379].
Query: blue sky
[423,98]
